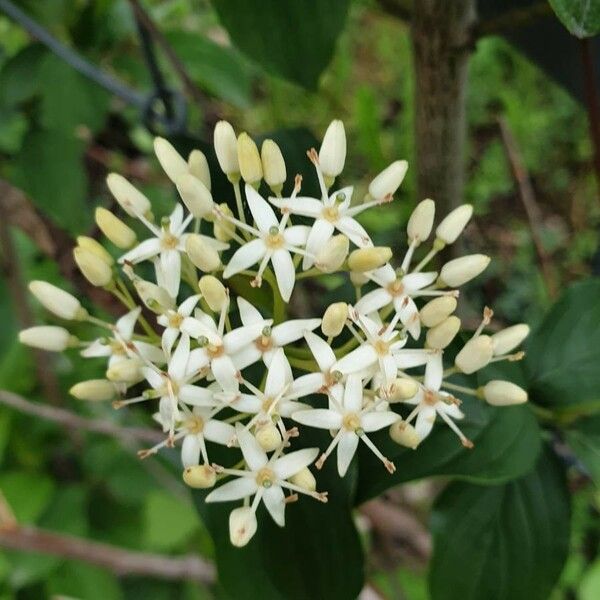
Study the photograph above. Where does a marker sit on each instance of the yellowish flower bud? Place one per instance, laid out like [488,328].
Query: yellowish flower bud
[47,337]
[249,159]
[242,525]
[94,269]
[437,310]
[88,243]
[401,389]
[127,370]
[223,230]
[226,149]
[388,181]
[202,255]
[503,393]
[156,298]
[195,195]
[57,301]
[333,254]
[367,259]
[213,291]
[475,354]
[305,479]
[334,319]
[441,335]
[460,270]
[421,221]
[273,165]
[121,235]
[198,167]
[94,390]
[358,279]
[268,437]
[404,434]
[453,224]
[170,160]
[200,476]
[132,201]
[332,154]
[508,339]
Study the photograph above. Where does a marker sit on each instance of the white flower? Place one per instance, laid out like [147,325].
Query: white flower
[271,338]
[172,320]
[351,421]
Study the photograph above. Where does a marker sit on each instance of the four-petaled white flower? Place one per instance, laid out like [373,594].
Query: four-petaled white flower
[172,320]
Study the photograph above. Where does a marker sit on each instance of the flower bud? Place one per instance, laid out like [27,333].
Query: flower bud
[88,243]
[421,221]
[273,165]
[437,310]
[198,167]
[156,298]
[401,389]
[200,476]
[305,479]
[388,181]
[503,393]
[332,154]
[125,371]
[508,339]
[94,269]
[213,291]
[333,254]
[367,259]
[226,149]
[195,195]
[249,159]
[223,230]
[121,235]
[94,390]
[242,525]
[475,354]
[202,255]
[57,301]
[405,434]
[453,224]
[132,201]
[268,437]
[358,279]
[47,337]
[334,319]
[460,270]
[440,336]
[170,160]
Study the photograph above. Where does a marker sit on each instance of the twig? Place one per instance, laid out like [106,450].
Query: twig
[511,20]
[72,421]
[530,204]
[118,560]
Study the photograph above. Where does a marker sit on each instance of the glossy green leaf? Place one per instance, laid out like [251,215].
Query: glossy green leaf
[584,438]
[293,39]
[19,75]
[27,494]
[506,542]
[580,17]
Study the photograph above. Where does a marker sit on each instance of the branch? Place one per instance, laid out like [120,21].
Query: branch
[511,19]
[115,559]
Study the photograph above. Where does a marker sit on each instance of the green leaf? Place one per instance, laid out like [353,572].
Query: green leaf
[589,589]
[293,39]
[580,17]
[584,438]
[19,75]
[81,580]
[27,494]
[563,353]
[506,542]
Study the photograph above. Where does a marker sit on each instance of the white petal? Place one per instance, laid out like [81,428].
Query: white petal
[409,315]
[233,490]
[246,356]
[347,192]
[373,301]
[296,235]
[385,274]
[247,403]
[245,256]
[277,375]
[188,305]
[190,450]
[196,396]
[353,394]
[176,218]
[96,349]
[126,323]
[170,334]
[197,360]
[170,266]
[248,313]
[179,360]
[225,373]
[449,409]
[425,420]
[346,450]
[376,420]
[321,350]
[274,500]
[434,372]
[263,214]
[153,378]
[303,206]
[322,418]
[354,231]
[218,432]
[287,408]
[143,251]
[307,384]
[290,331]
[150,352]
[319,235]
[285,272]
[417,281]
[405,359]
[288,465]
[362,357]
[236,339]
[254,455]
[388,368]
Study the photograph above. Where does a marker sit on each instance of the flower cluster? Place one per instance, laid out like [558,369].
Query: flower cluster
[216,368]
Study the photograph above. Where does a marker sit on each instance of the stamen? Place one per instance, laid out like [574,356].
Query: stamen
[466,442]
[321,461]
[388,464]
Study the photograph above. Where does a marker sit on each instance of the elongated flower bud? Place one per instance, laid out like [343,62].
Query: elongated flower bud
[440,336]
[332,154]
[249,159]
[117,232]
[156,298]
[94,390]
[508,339]
[94,269]
[170,160]
[367,259]
[437,310]
[88,243]
[200,476]
[273,165]
[202,255]
[57,301]
[47,337]
[333,254]
[198,167]
[453,224]
[401,389]
[460,270]
[334,319]
[226,149]
[475,354]
[195,195]
[503,393]
[222,229]
[132,201]
[305,479]
[213,291]
[242,525]
[405,434]
[125,371]
[268,437]
[358,279]
[388,181]
[421,221]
